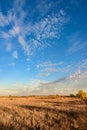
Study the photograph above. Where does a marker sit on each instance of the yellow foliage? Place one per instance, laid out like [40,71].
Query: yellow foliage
[82,94]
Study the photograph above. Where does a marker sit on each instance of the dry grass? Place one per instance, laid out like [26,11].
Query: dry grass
[35,113]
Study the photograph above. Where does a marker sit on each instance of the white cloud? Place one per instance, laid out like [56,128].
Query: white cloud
[49,64]
[68,84]
[15,31]
[62,12]
[15,55]
[47,68]
[47,72]
[49,27]
[63,85]
[5,35]
[24,45]
[44,74]
[37,33]
[3,20]
[11,64]
[76,43]
[81,72]
[8,47]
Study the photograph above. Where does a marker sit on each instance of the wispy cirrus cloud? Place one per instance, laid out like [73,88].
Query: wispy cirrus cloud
[76,43]
[12,64]
[63,85]
[48,67]
[24,45]
[48,71]
[8,47]
[15,54]
[3,20]
[33,34]
[4,35]
[49,64]
[14,31]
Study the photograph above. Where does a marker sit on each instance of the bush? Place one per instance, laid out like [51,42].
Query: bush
[82,94]
[72,95]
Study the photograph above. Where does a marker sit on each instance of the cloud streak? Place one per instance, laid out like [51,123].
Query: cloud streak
[77,43]
[48,68]
[63,85]
[33,35]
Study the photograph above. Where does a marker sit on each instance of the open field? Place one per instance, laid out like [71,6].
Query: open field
[36,113]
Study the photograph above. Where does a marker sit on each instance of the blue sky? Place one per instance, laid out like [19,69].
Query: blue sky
[43,47]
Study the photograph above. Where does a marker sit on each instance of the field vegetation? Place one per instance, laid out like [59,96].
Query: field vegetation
[51,112]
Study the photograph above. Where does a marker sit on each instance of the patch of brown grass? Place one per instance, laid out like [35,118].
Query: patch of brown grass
[35,113]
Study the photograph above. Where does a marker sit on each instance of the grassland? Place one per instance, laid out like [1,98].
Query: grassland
[41,113]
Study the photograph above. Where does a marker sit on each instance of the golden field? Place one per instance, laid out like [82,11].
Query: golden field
[41,113]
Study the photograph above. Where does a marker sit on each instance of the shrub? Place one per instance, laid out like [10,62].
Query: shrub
[81,94]
[72,95]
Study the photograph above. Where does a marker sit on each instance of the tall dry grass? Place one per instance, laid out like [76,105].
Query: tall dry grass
[35,113]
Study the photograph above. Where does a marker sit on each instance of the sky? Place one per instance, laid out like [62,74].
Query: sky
[43,47]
